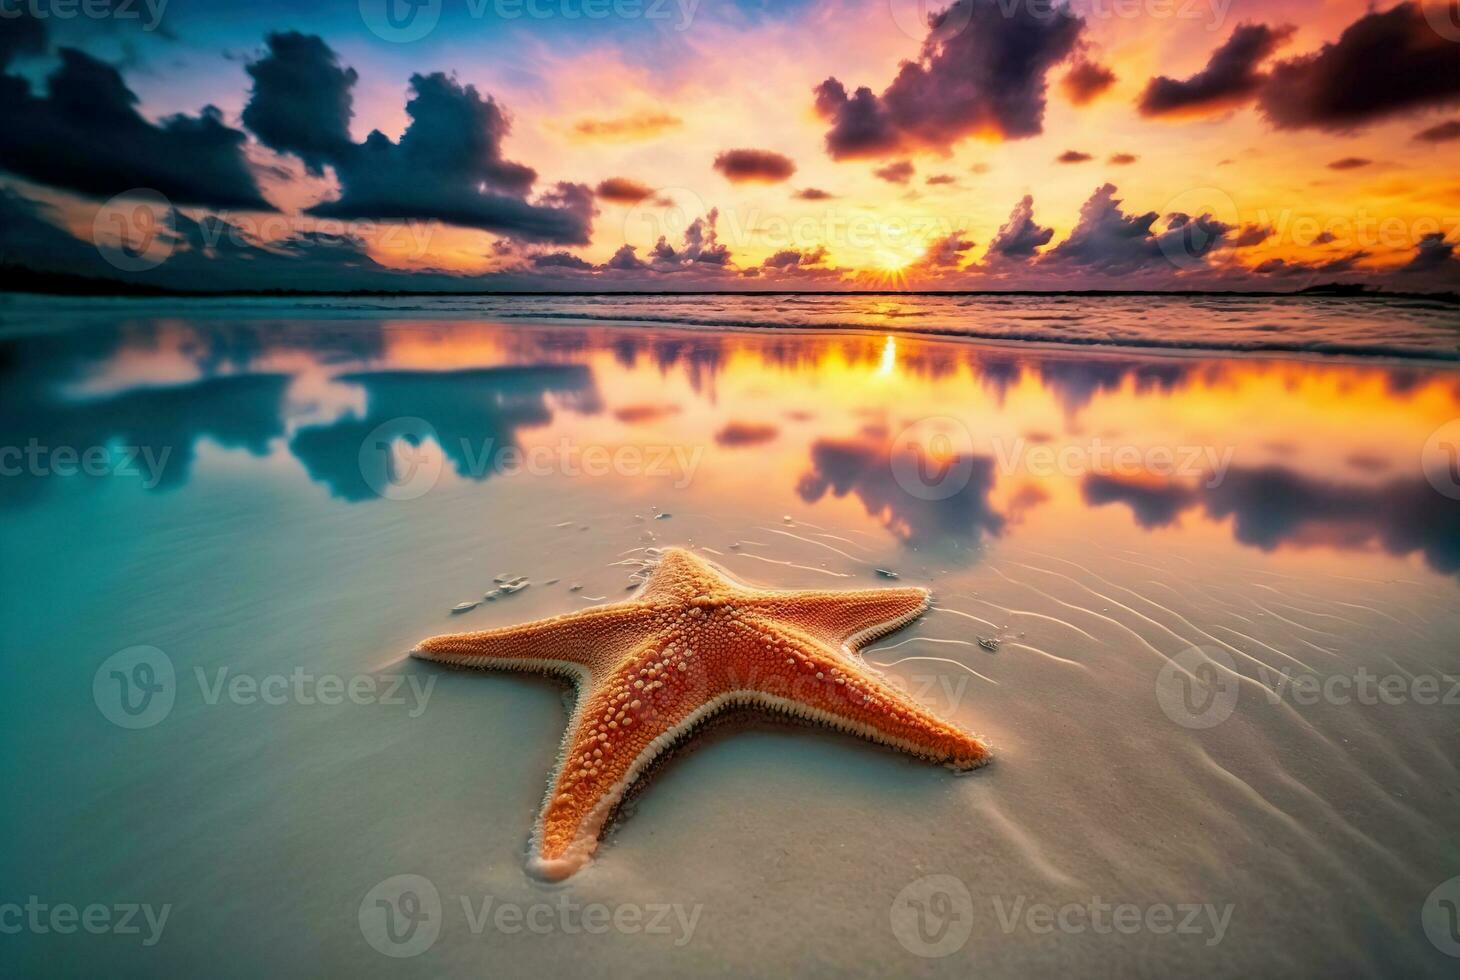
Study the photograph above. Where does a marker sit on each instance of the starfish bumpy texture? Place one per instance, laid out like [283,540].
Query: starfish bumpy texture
[690,643]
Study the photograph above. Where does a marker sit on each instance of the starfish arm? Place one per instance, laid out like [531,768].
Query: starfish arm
[838,618]
[814,682]
[624,721]
[585,639]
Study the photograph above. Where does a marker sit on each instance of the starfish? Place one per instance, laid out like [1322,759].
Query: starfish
[690,643]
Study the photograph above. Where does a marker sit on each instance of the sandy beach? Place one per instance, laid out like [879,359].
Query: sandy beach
[1201,606]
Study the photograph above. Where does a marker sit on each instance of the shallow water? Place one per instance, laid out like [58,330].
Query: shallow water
[292,495]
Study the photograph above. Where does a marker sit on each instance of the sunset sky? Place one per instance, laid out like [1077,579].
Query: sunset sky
[549,144]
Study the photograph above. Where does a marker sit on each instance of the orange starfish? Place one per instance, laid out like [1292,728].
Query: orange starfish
[690,643]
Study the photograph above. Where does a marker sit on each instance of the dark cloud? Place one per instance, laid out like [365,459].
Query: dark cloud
[1251,235]
[21,34]
[746,434]
[1021,236]
[1230,77]
[1085,81]
[1340,266]
[754,166]
[936,180]
[625,260]
[1433,254]
[1385,63]
[1073,156]
[1107,240]
[32,232]
[813,194]
[790,258]
[1349,163]
[1441,133]
[85,135]
[622,190]
[561,260]
[301,101]
[448,165]
[1123,159]
[701,243]
[989,76]
[896,173]
[947,252]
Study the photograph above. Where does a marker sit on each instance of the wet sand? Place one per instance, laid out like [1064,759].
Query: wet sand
[1172,553]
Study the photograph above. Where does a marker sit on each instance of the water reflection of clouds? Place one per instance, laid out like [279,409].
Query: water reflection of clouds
[159,424]
[474,413]
[865,467]
[1274,506]
[1345,491]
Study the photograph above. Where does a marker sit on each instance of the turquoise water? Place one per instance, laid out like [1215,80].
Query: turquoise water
[211,712]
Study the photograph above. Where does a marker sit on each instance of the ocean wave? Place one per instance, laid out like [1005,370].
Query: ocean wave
[1255,344]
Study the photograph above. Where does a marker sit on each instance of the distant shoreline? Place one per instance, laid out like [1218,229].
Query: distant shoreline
[19,280]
